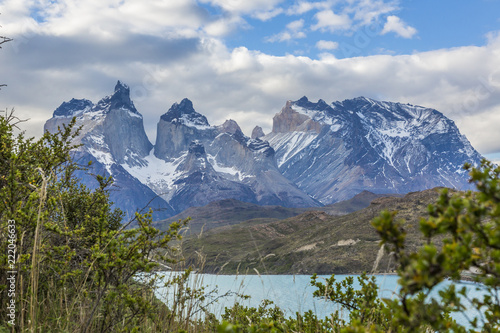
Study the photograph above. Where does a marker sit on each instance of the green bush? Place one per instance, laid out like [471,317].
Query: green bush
[76,262]
[461,234]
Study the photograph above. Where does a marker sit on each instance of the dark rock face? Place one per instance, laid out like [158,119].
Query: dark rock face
[362,144]
[184,113]
[119,100]
[73,107]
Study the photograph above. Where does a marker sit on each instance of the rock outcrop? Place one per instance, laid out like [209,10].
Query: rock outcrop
[257,132]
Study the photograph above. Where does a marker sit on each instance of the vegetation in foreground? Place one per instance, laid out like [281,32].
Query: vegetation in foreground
[75,261]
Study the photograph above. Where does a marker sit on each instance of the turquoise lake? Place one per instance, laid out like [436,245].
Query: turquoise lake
[292,293]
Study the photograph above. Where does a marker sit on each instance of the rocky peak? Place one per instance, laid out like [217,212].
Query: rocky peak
[230,126]
[178,127]
[122,87]
[184,113]
[289,120]
[257,132]
[305,103]
[72,108]
[262,146]
[119,100]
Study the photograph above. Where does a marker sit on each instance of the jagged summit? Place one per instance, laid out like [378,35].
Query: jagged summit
[122,87]
[185,114]
[119,100]
[230,126]
[305,103]
[257,132]
[73,108]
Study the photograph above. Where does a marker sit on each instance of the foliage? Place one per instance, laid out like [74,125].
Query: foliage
[461,239]
[364,305]
[269,318]
[469,226]
[75,261]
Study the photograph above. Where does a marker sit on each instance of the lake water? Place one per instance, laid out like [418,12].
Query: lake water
[292,293]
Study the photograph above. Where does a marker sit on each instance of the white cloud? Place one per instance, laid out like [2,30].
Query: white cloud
[295,25]
[302,7]
[369,11]
[224,25]
[293,31]
[326,45]
[327,20]
[396,25]
[267,15]
[244,6]
[162,64]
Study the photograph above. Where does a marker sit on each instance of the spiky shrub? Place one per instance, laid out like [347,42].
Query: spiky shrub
[461,234]
[76,262]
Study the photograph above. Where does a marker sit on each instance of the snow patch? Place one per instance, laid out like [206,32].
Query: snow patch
[102,157]
[396,131]
[97,139]
[196,123]
[157,174]
[223,169]
[132,114]
[291,144]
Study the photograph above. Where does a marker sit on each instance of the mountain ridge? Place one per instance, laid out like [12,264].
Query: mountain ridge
[317,153]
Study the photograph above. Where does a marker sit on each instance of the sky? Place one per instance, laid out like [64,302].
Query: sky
[242,59]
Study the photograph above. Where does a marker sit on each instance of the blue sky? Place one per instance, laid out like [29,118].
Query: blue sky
[436,24]
[244,59]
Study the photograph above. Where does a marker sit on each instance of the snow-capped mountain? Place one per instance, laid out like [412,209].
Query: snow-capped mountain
[191,164]
[194,163]
[317,153]
[334,151]
[113,137]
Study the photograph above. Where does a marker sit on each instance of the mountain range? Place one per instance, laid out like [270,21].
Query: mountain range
[316,154]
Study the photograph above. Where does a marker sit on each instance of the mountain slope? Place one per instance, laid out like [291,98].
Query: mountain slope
[335,151]
[227,212]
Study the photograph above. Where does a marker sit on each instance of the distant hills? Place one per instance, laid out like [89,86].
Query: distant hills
[317,154]
[312,242]
[229,212]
